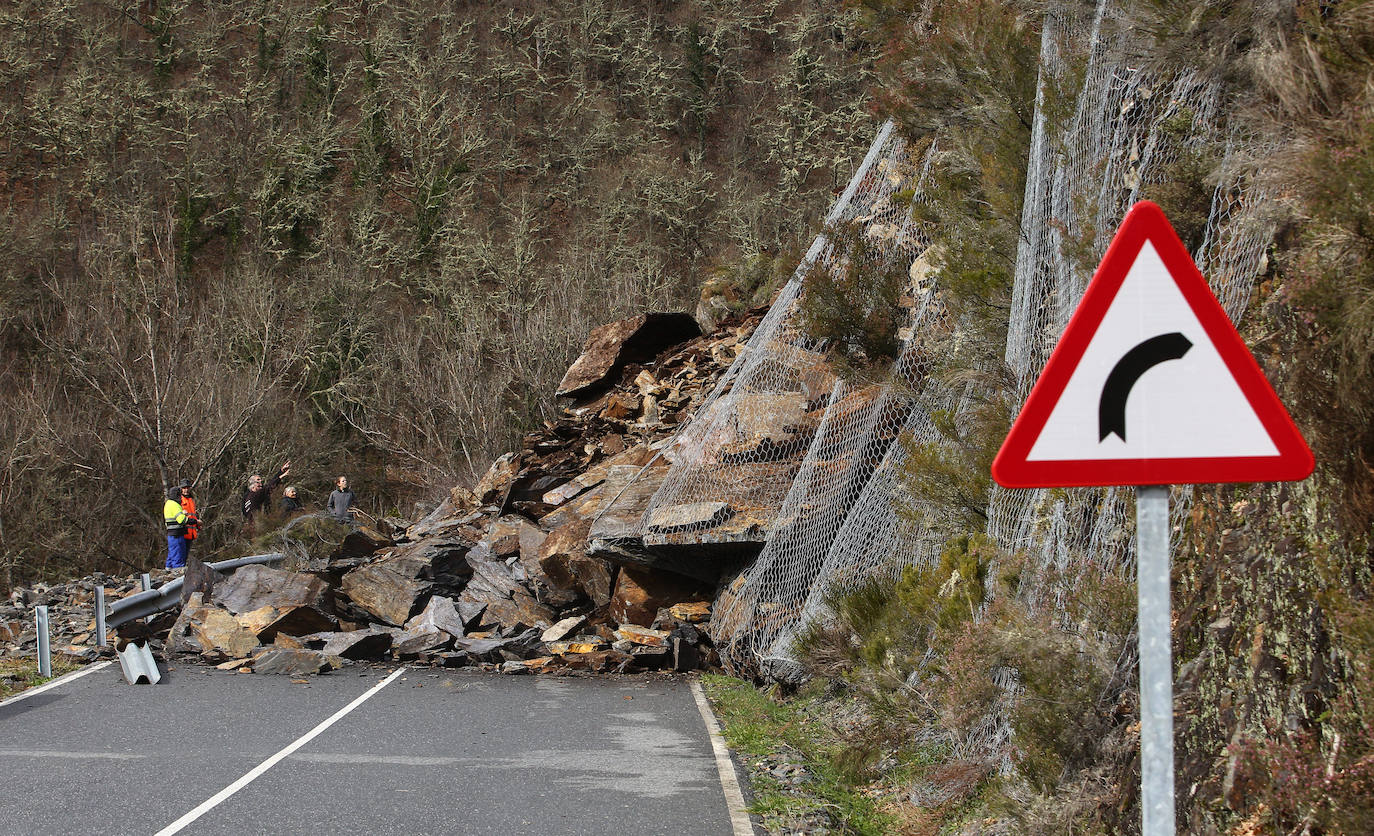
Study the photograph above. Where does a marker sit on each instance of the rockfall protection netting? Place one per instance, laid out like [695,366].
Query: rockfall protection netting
[1127,128]
[786,451]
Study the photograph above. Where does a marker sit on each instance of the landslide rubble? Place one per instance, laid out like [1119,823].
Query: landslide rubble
[501,575]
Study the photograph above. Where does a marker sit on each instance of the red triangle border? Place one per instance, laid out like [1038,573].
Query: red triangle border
[1146,221]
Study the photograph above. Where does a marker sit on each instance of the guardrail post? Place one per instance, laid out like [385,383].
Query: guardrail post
[40,618]
[100,631]
[147,581]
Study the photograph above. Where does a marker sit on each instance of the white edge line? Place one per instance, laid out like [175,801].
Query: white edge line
[61,680]
[729,781]
[253,774]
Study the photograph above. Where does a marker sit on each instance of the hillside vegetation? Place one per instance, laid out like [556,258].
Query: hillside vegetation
[1274,622]
[368,237]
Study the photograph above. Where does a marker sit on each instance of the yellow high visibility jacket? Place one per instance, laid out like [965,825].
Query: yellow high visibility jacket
[175,517]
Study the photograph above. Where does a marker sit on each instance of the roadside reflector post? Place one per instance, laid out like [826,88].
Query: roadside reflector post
[1156,661]
[40,620]
[147,581]
[100,631]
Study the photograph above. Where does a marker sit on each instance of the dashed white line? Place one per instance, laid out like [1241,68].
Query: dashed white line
[729,781]
[253,774]
[51,753]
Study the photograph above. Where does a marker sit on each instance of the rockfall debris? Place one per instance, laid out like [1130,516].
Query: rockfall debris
[522,573]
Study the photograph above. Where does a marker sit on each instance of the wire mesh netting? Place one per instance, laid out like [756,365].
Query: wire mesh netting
[788,453]
[1127,128]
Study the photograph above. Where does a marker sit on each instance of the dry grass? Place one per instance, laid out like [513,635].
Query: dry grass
[17,675]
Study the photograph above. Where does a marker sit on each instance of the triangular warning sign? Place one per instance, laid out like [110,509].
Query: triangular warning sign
[1150,384]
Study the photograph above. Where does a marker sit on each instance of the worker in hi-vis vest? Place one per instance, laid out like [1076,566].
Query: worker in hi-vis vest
[188,504]
[177,521]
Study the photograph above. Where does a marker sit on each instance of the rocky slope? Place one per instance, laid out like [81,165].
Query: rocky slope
[501,575]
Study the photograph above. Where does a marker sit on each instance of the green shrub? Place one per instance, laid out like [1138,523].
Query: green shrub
[852,302]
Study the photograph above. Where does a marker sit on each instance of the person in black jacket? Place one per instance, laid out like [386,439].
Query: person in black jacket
[290,502]
[259,493]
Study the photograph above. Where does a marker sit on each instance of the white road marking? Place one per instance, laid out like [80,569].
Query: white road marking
[61,680]
[390,760]
[257,771]
[729,781]
[48,753]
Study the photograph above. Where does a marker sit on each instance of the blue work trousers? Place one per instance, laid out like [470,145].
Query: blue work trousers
[176,551]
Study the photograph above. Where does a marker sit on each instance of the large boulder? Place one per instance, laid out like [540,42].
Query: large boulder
[564,560]
[210,631]
[370,643]
[269,621]
[286,661]
[253,587]
[388,591]
[609,348]
[440,614]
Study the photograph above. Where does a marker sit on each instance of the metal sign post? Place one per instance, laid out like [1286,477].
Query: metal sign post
[1156,665]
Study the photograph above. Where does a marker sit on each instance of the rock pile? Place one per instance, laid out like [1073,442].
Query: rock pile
[503,575]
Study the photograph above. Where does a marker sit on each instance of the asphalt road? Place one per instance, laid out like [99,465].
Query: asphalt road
[428,752]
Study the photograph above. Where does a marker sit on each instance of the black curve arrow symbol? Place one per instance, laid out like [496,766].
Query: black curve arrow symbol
[1111,408]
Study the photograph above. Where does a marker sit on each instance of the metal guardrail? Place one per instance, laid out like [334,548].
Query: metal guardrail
[143,604]
[138,664]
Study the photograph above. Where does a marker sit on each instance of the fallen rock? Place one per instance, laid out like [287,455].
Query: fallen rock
[498,478]
[520,612]
[438,559]
[564,560]
[358,543]
[640,594]
[439,614]
[412,643]
[210,631]
[691,516]
[254,587]
[562,628]
[598,661]
[610,347]
[643,635]
[691,612]
[289,662]
[267,622]
[370,643]
[492,577]
[389,595]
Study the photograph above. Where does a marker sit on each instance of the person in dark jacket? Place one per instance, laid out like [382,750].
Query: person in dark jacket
[340,505]
[290,502]
[259,493]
